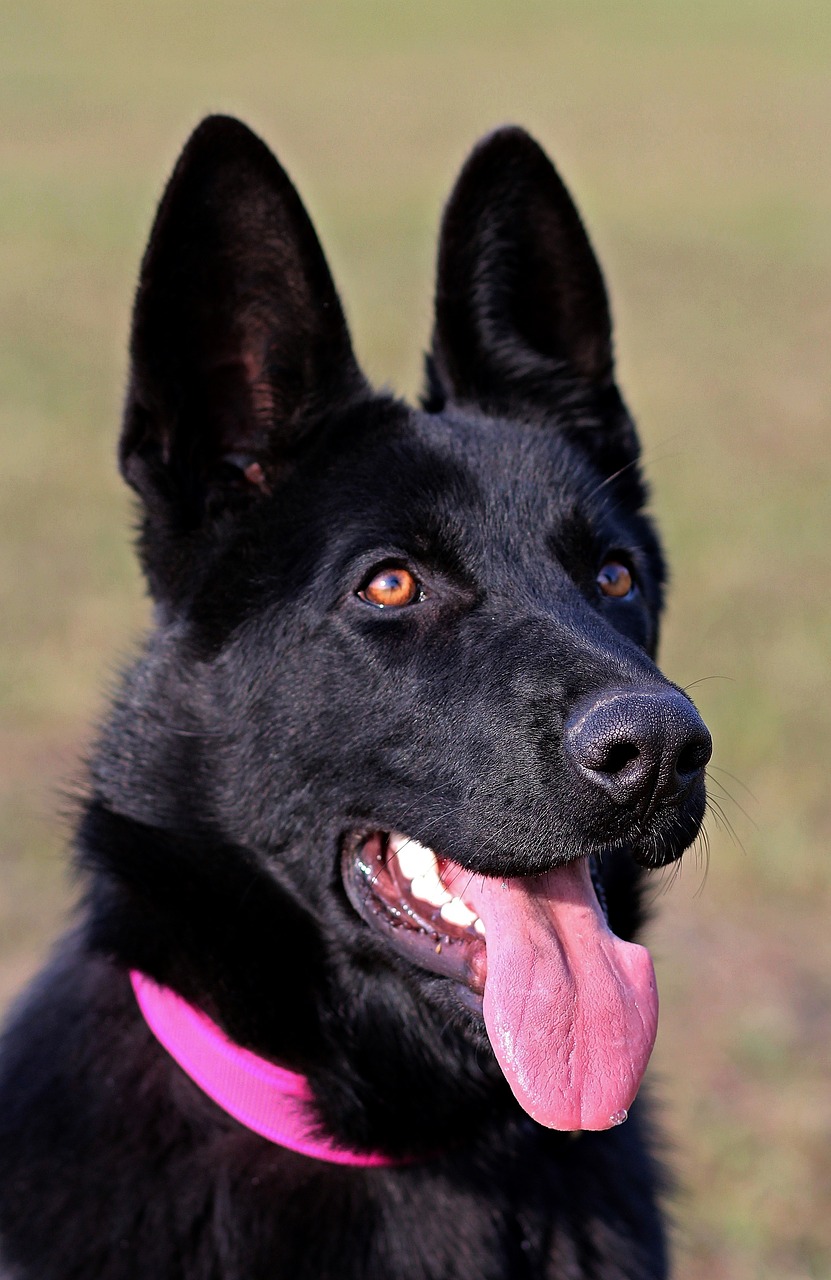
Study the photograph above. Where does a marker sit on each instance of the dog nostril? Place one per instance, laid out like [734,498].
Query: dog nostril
[619,755]
[693,756]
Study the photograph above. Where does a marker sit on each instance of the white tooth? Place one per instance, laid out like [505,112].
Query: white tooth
[413,859]
[429,889]
[457,912]
[479,926]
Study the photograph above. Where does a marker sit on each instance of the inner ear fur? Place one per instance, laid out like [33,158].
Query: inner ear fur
[522,315]
[239,341]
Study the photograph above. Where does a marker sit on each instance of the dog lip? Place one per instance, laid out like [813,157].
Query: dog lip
[414,928]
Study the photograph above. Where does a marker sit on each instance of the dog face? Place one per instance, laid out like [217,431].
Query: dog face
[398,740]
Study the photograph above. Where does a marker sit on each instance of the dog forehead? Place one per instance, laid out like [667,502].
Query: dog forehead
[509,459]
[470,477]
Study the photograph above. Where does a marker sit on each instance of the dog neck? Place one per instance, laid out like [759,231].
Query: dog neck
[273,1102]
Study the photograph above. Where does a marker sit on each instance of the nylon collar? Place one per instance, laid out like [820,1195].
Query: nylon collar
[273,1102]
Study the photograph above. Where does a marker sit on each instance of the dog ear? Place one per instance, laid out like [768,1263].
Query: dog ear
[522,315]
[239,342]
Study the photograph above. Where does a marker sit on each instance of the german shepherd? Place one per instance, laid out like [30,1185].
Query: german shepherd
[352,992]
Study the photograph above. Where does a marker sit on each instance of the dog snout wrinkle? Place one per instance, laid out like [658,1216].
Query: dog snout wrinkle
[639,745]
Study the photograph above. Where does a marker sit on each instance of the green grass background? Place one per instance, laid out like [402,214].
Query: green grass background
[695,137]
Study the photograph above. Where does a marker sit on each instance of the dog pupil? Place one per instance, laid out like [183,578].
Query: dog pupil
[392,587]
[615,579]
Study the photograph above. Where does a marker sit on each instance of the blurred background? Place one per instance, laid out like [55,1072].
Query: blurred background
[695,139]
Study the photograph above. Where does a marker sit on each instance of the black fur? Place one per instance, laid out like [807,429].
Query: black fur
[273,711]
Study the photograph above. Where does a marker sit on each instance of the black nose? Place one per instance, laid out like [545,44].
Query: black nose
[639,745]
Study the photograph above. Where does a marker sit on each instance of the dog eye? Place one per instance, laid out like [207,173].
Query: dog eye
[614,579]
[392,588]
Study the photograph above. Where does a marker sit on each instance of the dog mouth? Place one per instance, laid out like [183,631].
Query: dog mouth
[570,1009]
[415,897]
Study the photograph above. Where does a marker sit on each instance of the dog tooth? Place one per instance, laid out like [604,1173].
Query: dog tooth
[479,926]
[429,889]
[413,858]
[457,912]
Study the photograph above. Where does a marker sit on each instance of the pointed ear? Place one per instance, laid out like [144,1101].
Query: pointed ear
[239,343]
[522,316]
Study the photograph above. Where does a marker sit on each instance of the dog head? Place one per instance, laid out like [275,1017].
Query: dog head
[398,739]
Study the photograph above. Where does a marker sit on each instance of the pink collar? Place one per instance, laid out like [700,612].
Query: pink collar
[274,1102]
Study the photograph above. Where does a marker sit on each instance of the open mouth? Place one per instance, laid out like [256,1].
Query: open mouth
[417,899]
[400,886]
[570,1009]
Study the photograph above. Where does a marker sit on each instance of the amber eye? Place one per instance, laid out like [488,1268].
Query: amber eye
[392,588]
[615,580]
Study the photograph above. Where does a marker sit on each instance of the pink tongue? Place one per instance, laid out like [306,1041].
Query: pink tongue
[570,1009]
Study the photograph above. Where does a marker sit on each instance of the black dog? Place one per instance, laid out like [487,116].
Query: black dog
[393,755]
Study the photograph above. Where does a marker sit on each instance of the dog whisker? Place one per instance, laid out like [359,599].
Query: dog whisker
[724,794]
[714,768]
